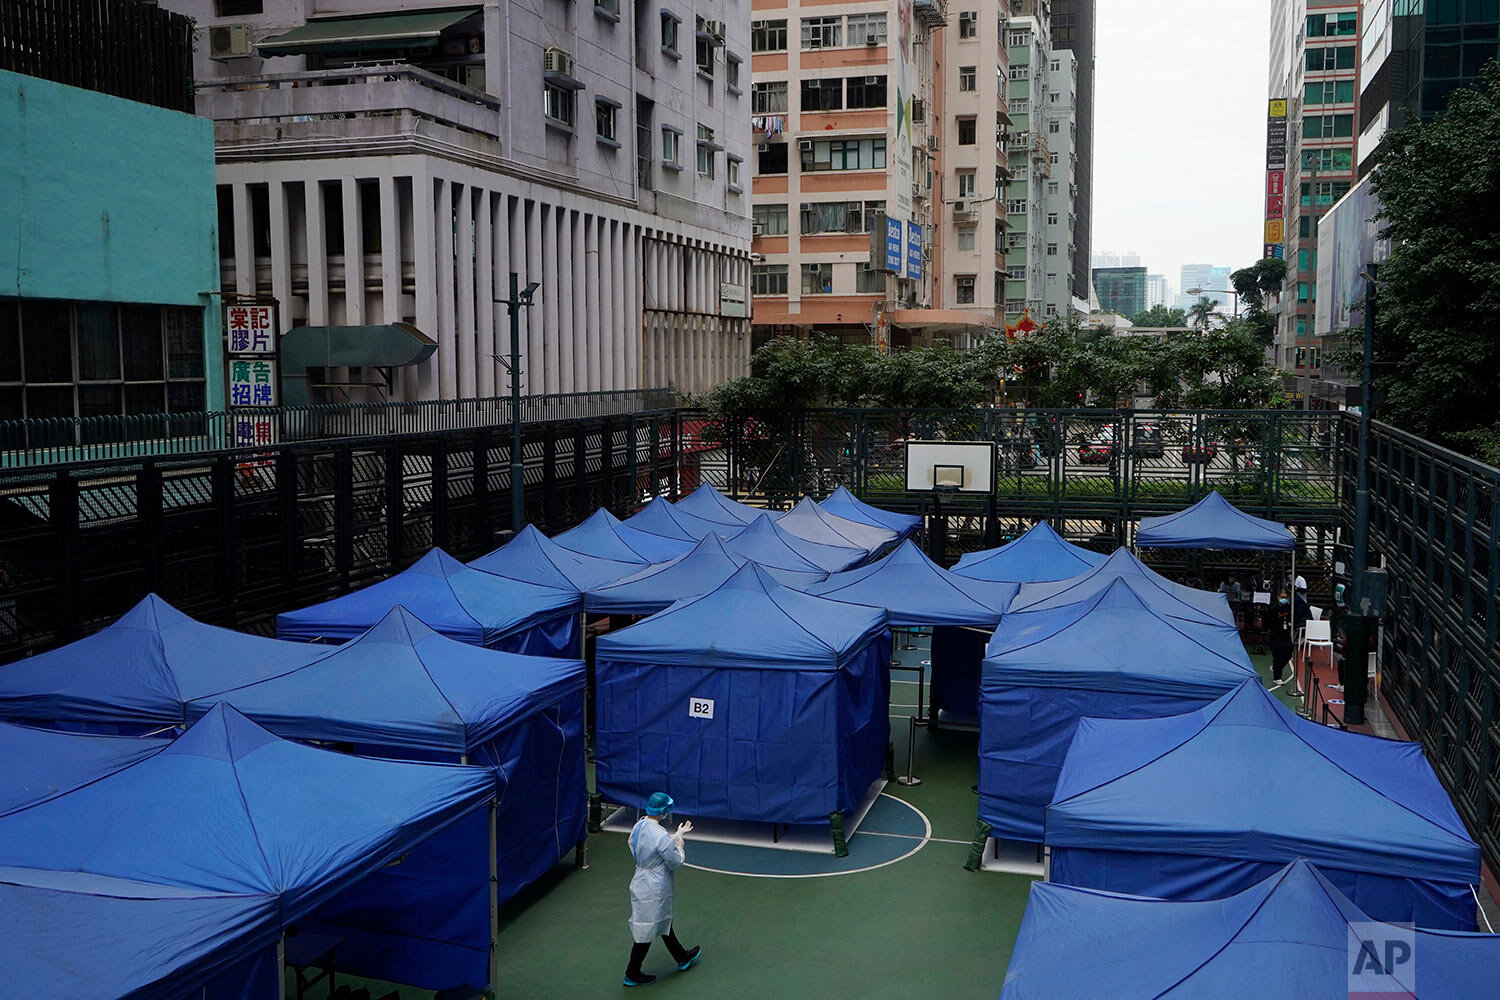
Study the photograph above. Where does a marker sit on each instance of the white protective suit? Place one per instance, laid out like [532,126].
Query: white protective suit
[657,855]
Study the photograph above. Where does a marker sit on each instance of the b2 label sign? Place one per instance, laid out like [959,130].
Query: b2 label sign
[700,708]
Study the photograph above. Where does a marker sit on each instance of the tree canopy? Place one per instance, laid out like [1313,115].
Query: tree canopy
[1254,283]
[1160,316]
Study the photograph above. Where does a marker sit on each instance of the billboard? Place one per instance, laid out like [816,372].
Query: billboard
[906,84]
[914,251]
[1348,242]
[894,241]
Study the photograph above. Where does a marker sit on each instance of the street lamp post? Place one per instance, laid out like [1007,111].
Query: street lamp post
[1219,291]
[518,298]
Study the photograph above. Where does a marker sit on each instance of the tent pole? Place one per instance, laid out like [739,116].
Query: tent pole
[494,903]
[281,967]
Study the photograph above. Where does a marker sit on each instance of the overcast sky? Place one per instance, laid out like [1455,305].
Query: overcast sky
[1179,131]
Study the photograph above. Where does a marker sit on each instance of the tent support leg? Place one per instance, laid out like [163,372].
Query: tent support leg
[281,967]
[908,778]
[581,856]
[494,902]
[976,846]
[596,812]
[836,826]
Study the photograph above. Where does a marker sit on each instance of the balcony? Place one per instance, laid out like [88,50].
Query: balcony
[931,13]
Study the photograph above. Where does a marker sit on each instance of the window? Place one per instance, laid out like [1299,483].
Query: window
[768,279]
[1301,291]
[669,23]
[605,112]
[839,216]
[703,47]
[1330,57]
[86,359]
[1019,106]
[817,279]
[1016,272]
[1054,127]
[1327,126]
[967,128]
[868,279]
[1055,65]
[608,8]
[1304,227]
[732,173]
[968,24]
[1052,158]
[1348,23]
[1323,193]
[768,98]
[1328,159]
[965,183]
[1016,206]
[966,237]
[771,158]
[768,36]
[844,154]
[706,150]
[822,94]
[1022,72]
[1052,187]
[866,29]
[1317,25]
[770,218]
[732,72]
[1052,97]
[967,77]
[867,92]
[1051,249]
[671,143]
[1051,218]
[1329,92]
[557,104]
[821,32]
[1016,38]
[965,296]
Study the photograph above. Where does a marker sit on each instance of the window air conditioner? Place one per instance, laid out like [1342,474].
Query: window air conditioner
[807,206]
[229,41]
[757,229]
[871,41]
[960,207]
[762,147]
[715,28]
[805,145]
[932,142]
[555,60]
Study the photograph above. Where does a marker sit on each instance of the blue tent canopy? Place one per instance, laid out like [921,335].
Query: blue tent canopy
[711,505]
[701,570]
[769,544]
[914,590]
[1164,596]
[459,601]
[1213,523]
[661,517]
[532,557]
[607,537]
[808,520]
[1040,555]
[141,670]
[1111,655]
[74,936]
[41,763]
[752,702]
[1286,936]
[1207,803]
[844,504]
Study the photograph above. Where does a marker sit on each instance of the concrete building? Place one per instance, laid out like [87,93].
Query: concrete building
[1073,31]
[851,135]
[384,163]
[1120,290]
[108,266]
[1214,282]
[1060,189]
[1029,147]
[1158,290]
[1115,258]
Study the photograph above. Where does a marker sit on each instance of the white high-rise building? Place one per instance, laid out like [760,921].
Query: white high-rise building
[1157,290]
[1059,202]
[383,162]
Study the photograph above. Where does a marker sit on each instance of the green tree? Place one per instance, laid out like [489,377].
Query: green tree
[1160,316]
[1202,311]
[1254,283]
[1224,368]
[1437,348]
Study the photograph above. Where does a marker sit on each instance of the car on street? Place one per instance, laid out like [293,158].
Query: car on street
[1200,452]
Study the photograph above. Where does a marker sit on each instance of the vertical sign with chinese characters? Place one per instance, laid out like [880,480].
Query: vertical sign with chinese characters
[1275,177]
[251,358]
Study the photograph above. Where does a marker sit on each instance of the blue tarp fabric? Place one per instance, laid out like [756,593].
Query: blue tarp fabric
[41,763]
[914,590]
[844,504]
[1287,936]
[74,936]
[228,807]
[1109,656]
[532,557]
[1164,596]
[141,671]
[711,505]
[657,587]
[459,601]
[661,517]
[1040,555]
[767,543]
[607,537]
[1202,803]
[1213,523]
[808,520]
[753,702]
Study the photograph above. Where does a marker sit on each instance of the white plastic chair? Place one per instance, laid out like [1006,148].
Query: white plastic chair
[1317,613]
[1316,634]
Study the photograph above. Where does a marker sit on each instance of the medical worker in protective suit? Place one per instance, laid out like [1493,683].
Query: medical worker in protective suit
[657,854]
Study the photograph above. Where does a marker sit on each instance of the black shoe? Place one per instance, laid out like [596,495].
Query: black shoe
[639,979]
[694,953]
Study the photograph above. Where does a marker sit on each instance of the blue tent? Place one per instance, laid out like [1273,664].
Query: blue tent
[808,520]
[138,673]
[1287,936]
[1110,656]
[914,590]
[74,936]
[1164,596]
[459,601]
[532,557]
[711,505]
[1208,803]
[753,702]
[661,517]
[1213,523]
[41,763]
[769,544]
[701,570]
[401,690]
[1040,555]
[228,807]
[844,504]
[607,537]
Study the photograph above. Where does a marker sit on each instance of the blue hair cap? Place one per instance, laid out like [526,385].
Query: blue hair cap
[659,804]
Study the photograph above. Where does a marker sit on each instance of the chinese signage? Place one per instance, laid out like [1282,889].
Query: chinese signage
[732,302]
[252,383]
[251,365]
[250,329]
[1275,179]
[1276,136]
[914,251]
[1274,229]
[894,238]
